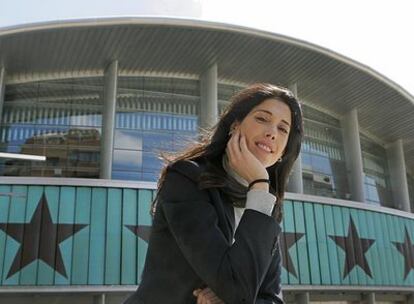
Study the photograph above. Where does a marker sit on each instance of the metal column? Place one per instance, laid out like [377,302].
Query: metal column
[2,90]
[99,299]
[369,298]
[398,175]
[295,179]
[208,93]
[302,298]
[108,119]
[353,155]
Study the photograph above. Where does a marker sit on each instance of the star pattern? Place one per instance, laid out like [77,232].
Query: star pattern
[407,250]
[39,239]
[288,239]
[355,249]
[141,231]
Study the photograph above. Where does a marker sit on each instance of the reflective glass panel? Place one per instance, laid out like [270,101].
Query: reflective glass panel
[60,119]
[375,165]
[323,162]
[153,116]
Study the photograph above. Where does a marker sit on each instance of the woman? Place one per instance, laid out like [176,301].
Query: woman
[215,232]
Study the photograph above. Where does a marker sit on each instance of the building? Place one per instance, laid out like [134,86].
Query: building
[100,98]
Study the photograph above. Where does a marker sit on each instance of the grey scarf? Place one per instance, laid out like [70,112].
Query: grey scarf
[229,182]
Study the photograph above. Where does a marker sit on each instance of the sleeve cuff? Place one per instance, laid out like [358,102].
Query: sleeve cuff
[261,201]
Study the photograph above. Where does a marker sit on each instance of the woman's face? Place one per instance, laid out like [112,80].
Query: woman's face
[266,129]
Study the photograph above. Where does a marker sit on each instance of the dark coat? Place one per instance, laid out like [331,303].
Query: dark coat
[191,247]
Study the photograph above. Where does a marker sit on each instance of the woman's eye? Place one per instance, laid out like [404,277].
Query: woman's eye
[284,130]
[261,118]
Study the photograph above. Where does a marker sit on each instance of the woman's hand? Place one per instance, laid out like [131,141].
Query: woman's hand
[242,160]
[206,296]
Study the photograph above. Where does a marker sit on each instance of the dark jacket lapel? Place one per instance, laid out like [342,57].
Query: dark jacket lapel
[224,208]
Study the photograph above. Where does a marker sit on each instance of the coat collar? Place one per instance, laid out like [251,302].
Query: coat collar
[224,208]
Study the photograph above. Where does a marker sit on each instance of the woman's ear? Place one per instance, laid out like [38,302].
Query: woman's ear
[234,125]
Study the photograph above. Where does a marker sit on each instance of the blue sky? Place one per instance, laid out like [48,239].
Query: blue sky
[378,34]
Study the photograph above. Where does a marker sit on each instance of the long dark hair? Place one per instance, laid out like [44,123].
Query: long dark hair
[212,145]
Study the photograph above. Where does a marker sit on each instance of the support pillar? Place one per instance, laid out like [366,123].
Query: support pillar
[369,298]
[295,183]
[302,298]
[99,299]
[209,96]
[398,175]
[2,90]
[108,119]
[353,155]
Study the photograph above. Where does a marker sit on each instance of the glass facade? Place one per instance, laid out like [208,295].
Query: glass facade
[153,115]
[323,162]
[376,174]
[60,119]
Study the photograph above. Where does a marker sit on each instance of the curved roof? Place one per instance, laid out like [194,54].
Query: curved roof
[183,47]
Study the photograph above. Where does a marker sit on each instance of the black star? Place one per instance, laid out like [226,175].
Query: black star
[355,249]
[288,239]
[407,250]
[141,231]
[39,239]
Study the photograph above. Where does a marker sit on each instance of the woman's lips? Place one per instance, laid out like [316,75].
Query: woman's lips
[264,147]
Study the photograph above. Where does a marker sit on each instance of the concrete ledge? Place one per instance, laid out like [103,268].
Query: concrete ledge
[131,288]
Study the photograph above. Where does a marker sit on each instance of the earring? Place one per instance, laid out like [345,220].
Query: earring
[280,160]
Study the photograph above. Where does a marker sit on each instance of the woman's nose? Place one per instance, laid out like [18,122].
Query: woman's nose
[271,133]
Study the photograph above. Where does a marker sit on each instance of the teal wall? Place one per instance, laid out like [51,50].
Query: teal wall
[334,245]
[76,235]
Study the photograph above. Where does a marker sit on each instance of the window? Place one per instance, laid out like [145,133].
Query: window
[153,115]
[60,119]
[375,166]
[323,163]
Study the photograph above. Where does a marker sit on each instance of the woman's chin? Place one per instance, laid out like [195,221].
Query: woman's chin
[271,163]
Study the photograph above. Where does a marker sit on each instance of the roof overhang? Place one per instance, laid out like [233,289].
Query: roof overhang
[185,48]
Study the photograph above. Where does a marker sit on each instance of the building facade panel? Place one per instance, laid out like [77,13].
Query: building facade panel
[77,235]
